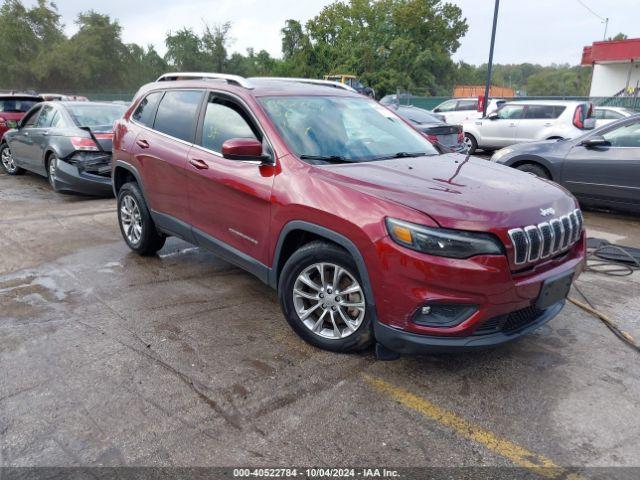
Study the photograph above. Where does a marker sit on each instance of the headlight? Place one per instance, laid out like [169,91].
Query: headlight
[443,242]
[501,153]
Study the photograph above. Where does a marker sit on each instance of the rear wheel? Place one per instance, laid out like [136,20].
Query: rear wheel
[534,169]
[471,143]
[136,225]
[8,162]
[52,166]
[323,299]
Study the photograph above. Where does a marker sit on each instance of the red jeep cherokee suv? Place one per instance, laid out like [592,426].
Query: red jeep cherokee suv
[366,232]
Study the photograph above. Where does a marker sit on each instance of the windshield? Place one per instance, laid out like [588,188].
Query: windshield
[16,105]
[93,115]
[353,129]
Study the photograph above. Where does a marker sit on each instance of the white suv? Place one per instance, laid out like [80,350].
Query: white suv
[522,121]
[458,110]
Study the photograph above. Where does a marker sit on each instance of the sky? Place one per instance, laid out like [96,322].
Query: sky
[534,31]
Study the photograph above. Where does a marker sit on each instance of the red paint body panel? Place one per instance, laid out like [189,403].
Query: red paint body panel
[247,205]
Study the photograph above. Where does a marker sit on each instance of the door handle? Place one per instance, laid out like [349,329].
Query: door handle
[199,164]
[26,134]
[142,143]
[45,133]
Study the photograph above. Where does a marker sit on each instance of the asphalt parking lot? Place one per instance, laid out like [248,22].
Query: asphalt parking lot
[182,359]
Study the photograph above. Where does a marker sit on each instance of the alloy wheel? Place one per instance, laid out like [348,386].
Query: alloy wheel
[467,143]
[8,161]
[53,165]
[329,300]
[131,219]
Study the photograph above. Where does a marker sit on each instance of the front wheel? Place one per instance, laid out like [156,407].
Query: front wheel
[52,167]
[136,225]
[8,162]
[322,297]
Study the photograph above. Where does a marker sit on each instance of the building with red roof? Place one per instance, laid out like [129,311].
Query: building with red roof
[616,67]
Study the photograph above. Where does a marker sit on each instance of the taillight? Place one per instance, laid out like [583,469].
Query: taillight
[104,136]
[432,138]
[460,137]
[577,117]
[3,122]
[84,144]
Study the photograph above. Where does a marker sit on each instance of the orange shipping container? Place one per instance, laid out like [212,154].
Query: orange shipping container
[477,90]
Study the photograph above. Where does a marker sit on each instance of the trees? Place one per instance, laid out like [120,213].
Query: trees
[388,44]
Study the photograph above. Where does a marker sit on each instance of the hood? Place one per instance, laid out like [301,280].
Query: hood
[457,191]
[542,146]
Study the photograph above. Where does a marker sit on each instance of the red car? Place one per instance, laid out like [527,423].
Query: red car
[13,107]
[349,212]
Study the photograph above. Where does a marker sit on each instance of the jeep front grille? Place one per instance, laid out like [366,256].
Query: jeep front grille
[536,242]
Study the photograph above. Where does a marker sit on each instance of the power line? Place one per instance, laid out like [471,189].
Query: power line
[602,19]
[592,12]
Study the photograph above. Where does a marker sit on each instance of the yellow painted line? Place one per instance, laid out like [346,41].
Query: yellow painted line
[515,453]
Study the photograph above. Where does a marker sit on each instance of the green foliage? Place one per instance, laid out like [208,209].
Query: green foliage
[529,79]
[388,44]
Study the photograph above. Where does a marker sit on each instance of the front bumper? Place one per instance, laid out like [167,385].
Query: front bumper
[70,178]
[411,343]
[403,281]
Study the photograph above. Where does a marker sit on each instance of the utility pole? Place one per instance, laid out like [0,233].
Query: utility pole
[490,65]
[606,26]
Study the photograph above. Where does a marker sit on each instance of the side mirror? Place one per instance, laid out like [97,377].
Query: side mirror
[243,149]
[589,123]
[595,142]
[493,116]
[436,110]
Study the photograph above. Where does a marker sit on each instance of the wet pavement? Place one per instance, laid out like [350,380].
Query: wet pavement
[182,359]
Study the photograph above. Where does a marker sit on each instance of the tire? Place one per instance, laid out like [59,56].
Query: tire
[337,323]
[471,143]
[136,225]
[7,161]
[534,169]
[52,166]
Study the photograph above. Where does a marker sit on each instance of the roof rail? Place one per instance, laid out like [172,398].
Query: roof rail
[312,81]
[233,79]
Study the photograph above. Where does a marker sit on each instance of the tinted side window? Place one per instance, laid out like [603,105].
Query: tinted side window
[31,119]
[599,114]
[448,106]
[57,121]
[177,114]
[511,112]
[543,112]
[464,105]
[46,115]
[145,112]
[627,136]
[612,115]
[224,120]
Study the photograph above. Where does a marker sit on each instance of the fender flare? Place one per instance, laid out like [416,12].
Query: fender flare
[329,235]
[133,171]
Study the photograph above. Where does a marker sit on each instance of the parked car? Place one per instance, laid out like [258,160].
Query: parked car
[605,115]
[446,138]
[517,122]
[353,82]
[331,198]
[67,142]
[458,110]
[397,99]
[601,168]
[12,109]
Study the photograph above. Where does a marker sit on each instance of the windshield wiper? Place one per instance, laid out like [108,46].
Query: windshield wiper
[328,158]
[403,155]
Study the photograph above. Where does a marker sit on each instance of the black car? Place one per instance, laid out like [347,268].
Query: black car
[601,168]
[446,138]
[67,142]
